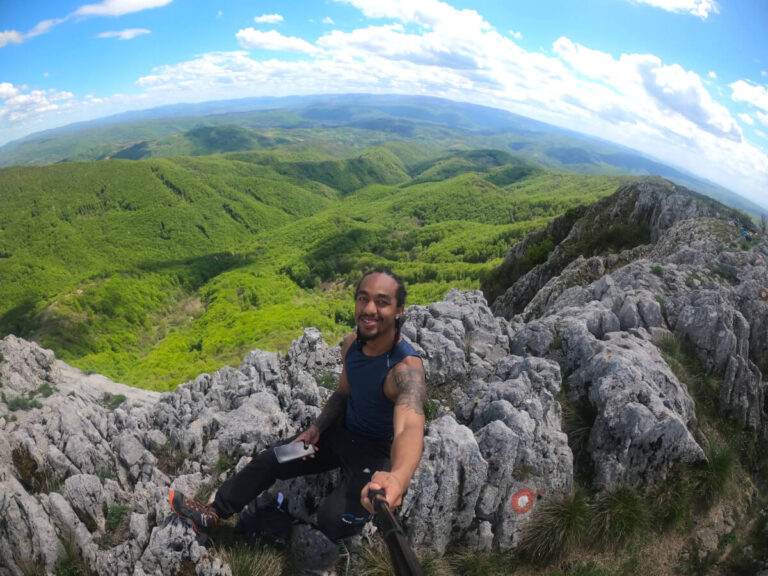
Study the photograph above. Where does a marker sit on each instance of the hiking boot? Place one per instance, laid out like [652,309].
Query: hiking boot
[200,516]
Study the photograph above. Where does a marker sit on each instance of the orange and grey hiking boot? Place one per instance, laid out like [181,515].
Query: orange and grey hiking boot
[200,516]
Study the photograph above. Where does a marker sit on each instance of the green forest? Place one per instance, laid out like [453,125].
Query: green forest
[151,271]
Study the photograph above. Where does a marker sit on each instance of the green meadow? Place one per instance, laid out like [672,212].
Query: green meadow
[152,271]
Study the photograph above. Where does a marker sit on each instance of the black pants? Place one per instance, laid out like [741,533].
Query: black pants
[340,515]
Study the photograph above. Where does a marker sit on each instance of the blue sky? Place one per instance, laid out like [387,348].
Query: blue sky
[685,81]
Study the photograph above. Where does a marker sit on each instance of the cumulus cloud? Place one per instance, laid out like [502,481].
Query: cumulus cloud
[763,119]
[10,37]
[515,35]
[21,105]
[272,40]
[7,90]
[119,7]
[268,19]
[127,34]
[700,8]
[743,91]
[747,119]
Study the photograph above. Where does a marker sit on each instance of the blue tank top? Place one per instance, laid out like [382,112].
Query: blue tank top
[369,412]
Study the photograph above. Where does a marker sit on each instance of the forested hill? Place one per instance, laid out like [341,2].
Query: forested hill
[153,271]
[341,126]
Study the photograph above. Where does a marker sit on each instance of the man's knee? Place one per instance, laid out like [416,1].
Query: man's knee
[337,524]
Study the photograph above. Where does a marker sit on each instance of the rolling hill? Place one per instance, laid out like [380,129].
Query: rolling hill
[154,270]
[342,126]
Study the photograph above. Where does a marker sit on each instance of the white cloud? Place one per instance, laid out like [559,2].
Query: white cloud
[515,35]
[272,40]
[24,105]
[328,20]
[14,37]
[712,74]
[743,91]
[119,7]
[219,14]
[763,119]
[700,8]
[127,34]
[7,90]
[268,19]
[747,119]
[10,37]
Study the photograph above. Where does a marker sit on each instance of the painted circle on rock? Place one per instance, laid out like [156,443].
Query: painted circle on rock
[763,294]
[522,501]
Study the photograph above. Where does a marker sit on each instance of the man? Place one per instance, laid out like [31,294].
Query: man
[372,427]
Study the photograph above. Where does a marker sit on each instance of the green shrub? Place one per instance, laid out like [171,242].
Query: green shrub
[22,403]
[557,526]
[616,517]
[658,271]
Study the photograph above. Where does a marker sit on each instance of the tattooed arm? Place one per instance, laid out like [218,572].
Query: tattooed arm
[406,387]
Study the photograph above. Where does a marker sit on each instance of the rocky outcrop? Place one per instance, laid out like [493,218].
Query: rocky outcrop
[83,470]
[602,316]
[637,214]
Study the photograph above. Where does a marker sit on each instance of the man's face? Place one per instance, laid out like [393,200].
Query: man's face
[376,306]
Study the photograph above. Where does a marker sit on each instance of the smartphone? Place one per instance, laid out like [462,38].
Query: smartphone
[288,452]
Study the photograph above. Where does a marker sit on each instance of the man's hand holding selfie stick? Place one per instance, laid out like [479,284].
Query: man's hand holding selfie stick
[404,561]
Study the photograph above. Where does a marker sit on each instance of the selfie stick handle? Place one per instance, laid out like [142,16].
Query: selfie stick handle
[404,561]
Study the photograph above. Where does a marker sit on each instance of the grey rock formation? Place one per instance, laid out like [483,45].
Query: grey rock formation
[76,458]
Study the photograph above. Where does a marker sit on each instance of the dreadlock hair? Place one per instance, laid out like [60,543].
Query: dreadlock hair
[400,296]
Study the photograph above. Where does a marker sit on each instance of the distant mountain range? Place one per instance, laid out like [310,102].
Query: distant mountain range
[340,126]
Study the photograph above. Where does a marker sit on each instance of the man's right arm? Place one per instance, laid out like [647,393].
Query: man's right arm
[334,407]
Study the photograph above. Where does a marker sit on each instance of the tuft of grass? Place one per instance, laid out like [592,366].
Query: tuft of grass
[71,563]
[225,462]
[481,564]
[557,342]
[327,380]
[714,479]
[559,525]
[657,270]
[117,527]
[112,401]
[204,493]
[170,459]
[247,560]
[578,419]
[617,517]
[430,409]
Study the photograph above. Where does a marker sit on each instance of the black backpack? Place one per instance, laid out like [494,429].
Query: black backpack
[266,521]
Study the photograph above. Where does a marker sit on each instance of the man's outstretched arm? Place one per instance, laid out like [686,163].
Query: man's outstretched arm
[408,443]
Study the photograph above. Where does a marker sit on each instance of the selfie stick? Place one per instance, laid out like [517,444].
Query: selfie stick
[404,561]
